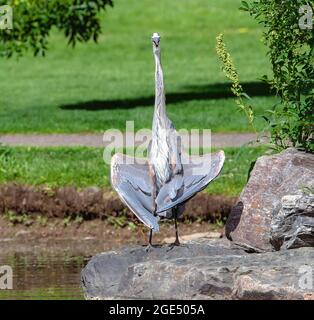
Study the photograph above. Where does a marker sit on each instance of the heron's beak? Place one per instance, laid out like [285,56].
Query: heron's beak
[156,42]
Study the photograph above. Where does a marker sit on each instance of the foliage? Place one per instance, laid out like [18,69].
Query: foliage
[41,220]
[15,218]
[118,222]
[290,51]
[34,20]
[66,221]
[232,74]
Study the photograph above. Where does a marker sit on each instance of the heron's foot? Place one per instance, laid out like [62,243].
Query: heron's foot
[176,243]
[149,247]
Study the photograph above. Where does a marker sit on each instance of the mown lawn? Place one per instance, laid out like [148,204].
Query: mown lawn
[99,86]
[83,167]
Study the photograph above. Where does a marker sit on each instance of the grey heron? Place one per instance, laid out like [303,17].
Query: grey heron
[160,185]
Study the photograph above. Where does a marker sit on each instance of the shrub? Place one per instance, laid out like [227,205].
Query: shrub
[292,58]
[291,55]
[34,19]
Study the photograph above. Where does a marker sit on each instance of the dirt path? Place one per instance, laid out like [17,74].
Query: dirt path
[218,140]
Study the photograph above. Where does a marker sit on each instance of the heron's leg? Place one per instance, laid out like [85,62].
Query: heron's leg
[177,242]
[150,245]
[150,237]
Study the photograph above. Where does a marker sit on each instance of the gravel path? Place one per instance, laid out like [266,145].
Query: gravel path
[219,140]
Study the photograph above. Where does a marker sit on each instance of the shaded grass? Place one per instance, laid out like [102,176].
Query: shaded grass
[99,86]
[83,167]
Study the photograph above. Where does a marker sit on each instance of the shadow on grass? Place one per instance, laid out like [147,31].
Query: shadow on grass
[204,92]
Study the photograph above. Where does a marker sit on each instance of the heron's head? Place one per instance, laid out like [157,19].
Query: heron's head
[156,42]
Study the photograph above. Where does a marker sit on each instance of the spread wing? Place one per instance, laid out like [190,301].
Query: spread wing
[198,172]
[130,178]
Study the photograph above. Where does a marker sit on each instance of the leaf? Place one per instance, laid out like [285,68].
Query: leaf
[246,96]
[244,6]
[266,119]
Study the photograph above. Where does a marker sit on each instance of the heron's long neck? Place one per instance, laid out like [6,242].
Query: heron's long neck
[160,99]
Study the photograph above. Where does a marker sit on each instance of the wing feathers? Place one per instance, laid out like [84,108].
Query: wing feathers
[196,177]
[131,181]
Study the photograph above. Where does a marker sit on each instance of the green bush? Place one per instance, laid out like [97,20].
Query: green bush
[292,58]
[291,54]
[34,19]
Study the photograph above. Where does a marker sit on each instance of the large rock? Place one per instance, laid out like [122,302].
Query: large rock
[261,220]
[293,226]
[210,269]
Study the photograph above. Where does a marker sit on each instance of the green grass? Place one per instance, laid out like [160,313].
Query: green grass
[50,293]
[99,86]
[83,167]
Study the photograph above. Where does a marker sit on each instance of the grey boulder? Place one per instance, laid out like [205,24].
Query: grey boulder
[210,269]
